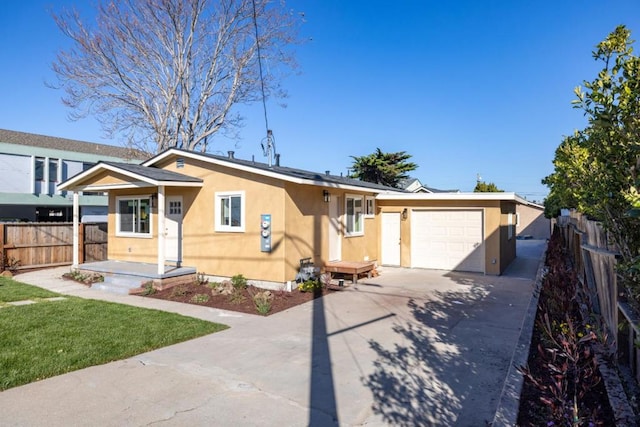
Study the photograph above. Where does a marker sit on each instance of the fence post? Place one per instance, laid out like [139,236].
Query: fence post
[81,243]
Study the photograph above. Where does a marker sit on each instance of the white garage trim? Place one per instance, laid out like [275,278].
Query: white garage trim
[448,239]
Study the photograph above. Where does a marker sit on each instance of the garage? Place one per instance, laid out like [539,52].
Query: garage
[448,239]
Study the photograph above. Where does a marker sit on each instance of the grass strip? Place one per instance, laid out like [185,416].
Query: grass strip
[55,337]
[10,291]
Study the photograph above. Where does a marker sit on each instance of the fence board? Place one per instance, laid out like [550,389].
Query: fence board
[37,245]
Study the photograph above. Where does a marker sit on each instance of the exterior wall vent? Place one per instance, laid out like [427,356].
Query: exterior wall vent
[179,163]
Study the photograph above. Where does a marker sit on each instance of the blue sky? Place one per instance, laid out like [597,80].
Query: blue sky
[465,87]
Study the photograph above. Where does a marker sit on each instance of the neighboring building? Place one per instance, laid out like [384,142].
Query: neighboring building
[32,165]
[414,185]
[532,223]
[224,216]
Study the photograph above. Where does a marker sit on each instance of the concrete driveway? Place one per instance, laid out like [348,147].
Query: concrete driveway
[410,347]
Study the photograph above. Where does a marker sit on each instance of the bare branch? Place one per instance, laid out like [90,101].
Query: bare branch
[168,73]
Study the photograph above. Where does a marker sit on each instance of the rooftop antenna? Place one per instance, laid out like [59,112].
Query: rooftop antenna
[268,144]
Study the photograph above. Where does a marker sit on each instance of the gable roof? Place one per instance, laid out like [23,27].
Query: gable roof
[414,185]
[141,176]
[299,176]
[51,142]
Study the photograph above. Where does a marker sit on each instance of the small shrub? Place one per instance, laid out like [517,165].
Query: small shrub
[178,291]
[237,296]
[214,285]
[148,288]
[80,277]
[239,281]
[9,263]
[310,286]
[262,300]
[200,298]
[201,279]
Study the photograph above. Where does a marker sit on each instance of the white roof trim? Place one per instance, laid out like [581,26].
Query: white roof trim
[453,196]
[143,181]
[130,185]
[258,171]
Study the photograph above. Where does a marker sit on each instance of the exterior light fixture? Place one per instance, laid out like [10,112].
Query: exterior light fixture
[405,213]
[326,195]
[153,201]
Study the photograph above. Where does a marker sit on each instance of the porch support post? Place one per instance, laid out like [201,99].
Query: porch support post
[161,230]
[76,234]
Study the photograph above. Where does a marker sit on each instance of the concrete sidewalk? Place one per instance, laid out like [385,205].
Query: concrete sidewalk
[410,347]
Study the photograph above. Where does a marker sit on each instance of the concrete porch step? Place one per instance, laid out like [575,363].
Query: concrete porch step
[114,288]
[119,283]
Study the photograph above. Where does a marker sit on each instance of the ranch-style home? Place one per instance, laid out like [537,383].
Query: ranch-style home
[223,216]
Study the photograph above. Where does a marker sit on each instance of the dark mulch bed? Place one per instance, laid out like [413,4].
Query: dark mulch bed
[533,412]
[282,300]
[558,300]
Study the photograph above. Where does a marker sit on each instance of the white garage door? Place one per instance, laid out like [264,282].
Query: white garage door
[447,240]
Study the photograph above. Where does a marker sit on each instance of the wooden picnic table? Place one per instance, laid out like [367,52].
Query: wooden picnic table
[354,268]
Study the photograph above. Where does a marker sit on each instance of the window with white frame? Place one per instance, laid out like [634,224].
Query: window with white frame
[370,206]
[354,210]
[39,169]
[53,170]
[510,226]
[230,211]
[133,216]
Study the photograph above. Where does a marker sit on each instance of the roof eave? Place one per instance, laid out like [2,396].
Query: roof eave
[270,174]
[506,196]
[74,183]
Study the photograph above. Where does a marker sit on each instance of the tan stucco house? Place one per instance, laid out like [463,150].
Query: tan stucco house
[225,216]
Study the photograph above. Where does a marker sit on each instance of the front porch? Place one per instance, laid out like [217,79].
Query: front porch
[128,277]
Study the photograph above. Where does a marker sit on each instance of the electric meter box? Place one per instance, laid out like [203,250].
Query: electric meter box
[265,233]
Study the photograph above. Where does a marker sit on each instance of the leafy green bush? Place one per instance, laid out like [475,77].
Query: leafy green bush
[178,291]
[263,300]
[201,279]
[239,281]
[237,296]
[200,298]
[148,288]
[310,285]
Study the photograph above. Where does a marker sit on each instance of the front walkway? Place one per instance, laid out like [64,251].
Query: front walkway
[410,347]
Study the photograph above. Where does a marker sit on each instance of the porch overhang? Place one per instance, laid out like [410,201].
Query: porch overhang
[109,176]
[132,176]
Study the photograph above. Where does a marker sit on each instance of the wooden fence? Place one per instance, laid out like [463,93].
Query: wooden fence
[38,245]
[595,259]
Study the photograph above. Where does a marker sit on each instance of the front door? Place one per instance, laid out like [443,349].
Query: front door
[173,229]
[335,246]
[390,238]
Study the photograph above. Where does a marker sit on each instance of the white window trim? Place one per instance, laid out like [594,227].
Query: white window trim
[119,233]
[346,215]
[218,214]
[510,226]
[368,214]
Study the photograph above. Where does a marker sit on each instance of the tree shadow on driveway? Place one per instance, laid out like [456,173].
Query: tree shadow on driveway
[447,364]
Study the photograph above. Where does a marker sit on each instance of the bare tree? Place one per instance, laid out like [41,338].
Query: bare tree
[168,73]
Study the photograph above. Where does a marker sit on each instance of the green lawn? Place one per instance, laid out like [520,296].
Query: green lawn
[49,338]
[10,290]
